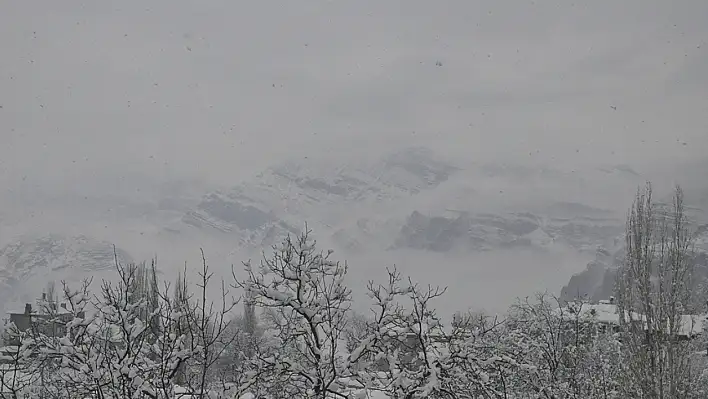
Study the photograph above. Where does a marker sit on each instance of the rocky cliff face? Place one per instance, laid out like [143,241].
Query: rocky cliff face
[597,281]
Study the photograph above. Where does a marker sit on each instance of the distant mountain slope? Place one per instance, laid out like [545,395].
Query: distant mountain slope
[279,200]
[508,230]
[27,264]
[413,199]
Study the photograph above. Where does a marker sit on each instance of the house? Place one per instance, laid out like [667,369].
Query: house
[606,314]
[47,318]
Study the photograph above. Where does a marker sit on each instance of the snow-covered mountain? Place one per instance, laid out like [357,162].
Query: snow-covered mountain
[412,199]
[29,263]
[327,196]
[411,208]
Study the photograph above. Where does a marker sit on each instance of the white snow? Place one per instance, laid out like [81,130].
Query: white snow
[607,313]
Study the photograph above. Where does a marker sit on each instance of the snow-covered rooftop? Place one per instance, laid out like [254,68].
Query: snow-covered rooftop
[607,313]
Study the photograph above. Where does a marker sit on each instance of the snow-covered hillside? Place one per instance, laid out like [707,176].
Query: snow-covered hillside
[29,263]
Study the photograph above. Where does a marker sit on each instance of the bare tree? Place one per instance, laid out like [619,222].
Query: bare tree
[51,295]
[653,292]
[207,327]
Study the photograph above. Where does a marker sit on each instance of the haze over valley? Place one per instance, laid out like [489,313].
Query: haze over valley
[491,147]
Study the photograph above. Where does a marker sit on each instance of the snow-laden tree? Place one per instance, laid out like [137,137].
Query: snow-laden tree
[419,358]
[559,350]
[206,326]
[118,344]
[434,360]
[493,351]
[307,302]
[539,340]
[602,368]
[18,374]
[416,355]
[319,349]
[410,345]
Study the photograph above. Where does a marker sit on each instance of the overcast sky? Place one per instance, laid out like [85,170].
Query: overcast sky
[216,89]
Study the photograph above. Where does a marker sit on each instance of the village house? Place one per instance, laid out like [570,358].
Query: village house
[606,315]
[48,318]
